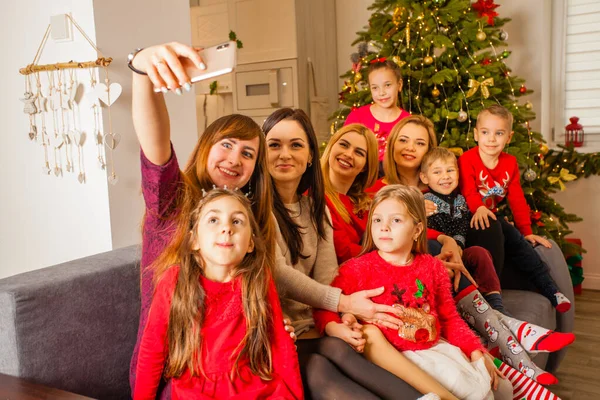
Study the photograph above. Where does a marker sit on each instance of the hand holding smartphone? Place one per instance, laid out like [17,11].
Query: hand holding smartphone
[219,60]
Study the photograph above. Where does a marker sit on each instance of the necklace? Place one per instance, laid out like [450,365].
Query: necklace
[405,263]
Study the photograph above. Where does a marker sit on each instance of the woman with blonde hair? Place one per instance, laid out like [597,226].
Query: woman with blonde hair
[350,166]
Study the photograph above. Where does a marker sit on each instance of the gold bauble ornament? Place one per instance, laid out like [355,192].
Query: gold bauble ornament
[357,77]
[428,60]
[435,92]
[462,116]
[544,148]
[528,105]
[481,36]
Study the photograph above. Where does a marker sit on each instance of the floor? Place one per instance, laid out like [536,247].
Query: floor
[578,374]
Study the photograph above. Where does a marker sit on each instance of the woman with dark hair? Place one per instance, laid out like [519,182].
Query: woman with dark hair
[330,368]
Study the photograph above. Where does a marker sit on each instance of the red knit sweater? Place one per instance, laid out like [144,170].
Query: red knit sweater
[482,186]
[347,236]
[371,271]
[223,329]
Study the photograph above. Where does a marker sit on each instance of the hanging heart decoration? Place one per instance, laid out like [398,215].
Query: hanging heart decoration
[111,140]
[104,92]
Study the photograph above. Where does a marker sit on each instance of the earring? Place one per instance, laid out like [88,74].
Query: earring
[309,164]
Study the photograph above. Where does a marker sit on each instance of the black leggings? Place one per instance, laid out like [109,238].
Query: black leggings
[506,244]
[331,369]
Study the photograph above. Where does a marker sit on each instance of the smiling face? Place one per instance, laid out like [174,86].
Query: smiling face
[288,152]
[231,161]
[411,145]
[442,175]
[224,235]
[348,156]
[384,86]
[393,229]
[492,134]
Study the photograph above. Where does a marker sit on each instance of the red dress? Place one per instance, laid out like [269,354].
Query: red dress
[223,329]
[347,236]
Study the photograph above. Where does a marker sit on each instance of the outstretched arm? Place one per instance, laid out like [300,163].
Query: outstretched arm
[164,65]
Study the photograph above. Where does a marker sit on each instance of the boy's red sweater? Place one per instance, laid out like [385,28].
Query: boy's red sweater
[487,187]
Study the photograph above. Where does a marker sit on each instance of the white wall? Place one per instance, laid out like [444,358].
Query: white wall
[530,43]
[140,24]
[46,220]
[43,219]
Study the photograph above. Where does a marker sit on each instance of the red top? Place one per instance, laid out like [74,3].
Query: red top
[370,271]
[380,184]
[363,115]
[223,329]
[347,237]
[480,186]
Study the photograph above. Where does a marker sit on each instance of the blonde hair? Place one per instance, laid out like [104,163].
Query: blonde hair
[413,200]
[498,111]
[389,164]
[363,180]
[437,153]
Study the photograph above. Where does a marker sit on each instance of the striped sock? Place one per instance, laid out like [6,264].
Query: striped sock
[523,387]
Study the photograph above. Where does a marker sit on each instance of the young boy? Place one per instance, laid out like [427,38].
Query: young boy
[488,176]
[439,170]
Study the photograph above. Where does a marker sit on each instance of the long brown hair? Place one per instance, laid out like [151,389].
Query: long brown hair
[187,307]
[414,201]
[390,168]
[311,182]
[363,180]
[195,178]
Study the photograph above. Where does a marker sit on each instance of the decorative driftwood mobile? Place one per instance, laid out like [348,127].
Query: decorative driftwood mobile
[55,109]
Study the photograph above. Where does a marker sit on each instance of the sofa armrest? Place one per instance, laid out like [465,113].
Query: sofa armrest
[73,326]
[559,270]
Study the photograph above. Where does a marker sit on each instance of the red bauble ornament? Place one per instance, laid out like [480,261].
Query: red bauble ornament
[486,61]
[523,89]
[485,8]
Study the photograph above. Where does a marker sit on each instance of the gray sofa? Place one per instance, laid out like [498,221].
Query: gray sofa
[73,326]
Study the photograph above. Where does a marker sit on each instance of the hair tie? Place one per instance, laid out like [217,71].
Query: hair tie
[378,60]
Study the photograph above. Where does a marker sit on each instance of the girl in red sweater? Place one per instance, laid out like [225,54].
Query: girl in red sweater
[433,335]
[211,287]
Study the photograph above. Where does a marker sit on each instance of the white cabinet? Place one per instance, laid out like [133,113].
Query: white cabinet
[279,37]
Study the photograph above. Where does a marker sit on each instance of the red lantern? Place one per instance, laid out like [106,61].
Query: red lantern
[574,133]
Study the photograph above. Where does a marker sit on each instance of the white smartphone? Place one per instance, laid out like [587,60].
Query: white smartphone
[219,60]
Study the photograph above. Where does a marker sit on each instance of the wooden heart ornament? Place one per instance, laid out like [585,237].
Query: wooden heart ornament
[103,92]
[111,140]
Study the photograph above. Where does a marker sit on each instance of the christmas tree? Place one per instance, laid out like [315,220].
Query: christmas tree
[451,53]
